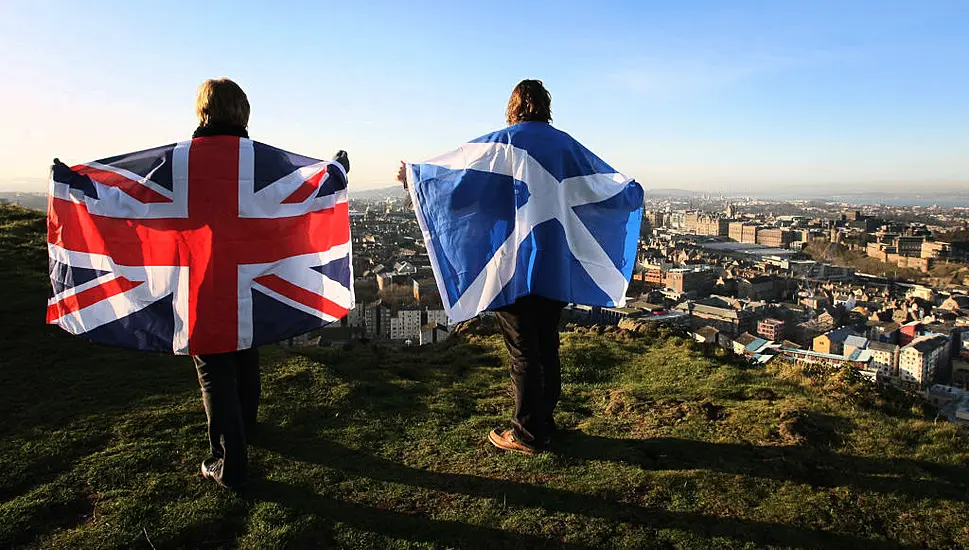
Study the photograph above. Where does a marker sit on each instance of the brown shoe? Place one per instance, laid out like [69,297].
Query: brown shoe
[507,441]
[212,469]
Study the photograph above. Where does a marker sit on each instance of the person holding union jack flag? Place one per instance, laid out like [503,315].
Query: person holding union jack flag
[521,222]
[230,381]
[209,247]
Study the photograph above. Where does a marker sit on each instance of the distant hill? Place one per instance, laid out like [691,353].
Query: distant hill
[33,201]
[394,192]
[661,444]
[670,192]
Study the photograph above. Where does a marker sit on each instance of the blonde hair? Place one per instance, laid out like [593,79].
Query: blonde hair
[222,101]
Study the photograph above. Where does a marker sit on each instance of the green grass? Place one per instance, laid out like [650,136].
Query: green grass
[664,446]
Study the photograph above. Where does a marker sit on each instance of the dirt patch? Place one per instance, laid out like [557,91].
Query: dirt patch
[670,411]
[621,402]
[798,427]
[764,394]
[712,412]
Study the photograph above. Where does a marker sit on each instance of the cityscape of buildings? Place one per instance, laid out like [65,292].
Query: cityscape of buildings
[739,274]
[881,289]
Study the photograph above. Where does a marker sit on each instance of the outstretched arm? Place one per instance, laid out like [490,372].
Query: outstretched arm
[343,159]
[402,174]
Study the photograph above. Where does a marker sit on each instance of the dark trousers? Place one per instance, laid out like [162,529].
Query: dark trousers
[230,394]
[530,328]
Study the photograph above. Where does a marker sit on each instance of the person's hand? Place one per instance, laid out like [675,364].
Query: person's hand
[402,174]
[344,160]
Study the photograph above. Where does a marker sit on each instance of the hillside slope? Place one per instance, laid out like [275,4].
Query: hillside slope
[663,446]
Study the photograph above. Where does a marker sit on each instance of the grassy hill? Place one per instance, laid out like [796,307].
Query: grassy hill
[664,447]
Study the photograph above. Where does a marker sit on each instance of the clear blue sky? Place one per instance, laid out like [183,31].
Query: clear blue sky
[700,95]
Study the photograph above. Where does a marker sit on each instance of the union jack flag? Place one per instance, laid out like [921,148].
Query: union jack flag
[205,246]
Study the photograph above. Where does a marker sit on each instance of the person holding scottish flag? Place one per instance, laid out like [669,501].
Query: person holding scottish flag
[523,221]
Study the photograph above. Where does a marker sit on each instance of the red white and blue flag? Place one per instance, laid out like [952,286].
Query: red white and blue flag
[205,246]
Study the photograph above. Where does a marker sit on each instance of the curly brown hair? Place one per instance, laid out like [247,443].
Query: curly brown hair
[529,101]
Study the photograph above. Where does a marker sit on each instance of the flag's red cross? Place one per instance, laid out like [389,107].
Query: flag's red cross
[213,241]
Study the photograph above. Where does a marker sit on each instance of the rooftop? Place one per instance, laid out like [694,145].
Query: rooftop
[882,346]
[856,341]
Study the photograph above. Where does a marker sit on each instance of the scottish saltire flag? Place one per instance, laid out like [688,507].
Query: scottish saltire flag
[205,246]
[526,210]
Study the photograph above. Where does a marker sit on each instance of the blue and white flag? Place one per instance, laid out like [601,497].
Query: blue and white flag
[526,210]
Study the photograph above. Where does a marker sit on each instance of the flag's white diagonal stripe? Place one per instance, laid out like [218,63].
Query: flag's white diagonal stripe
[595,261]
[144,180]
[293,303]
[593,188]
[107,310]
[81,288]
[488,284]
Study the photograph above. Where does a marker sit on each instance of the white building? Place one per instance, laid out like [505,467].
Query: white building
[406,324]
[437,317]
[884,359]
[918,360]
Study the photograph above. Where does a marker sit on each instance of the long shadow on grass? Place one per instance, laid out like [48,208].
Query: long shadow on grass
[395,524]
[393,382]
[302,446]
[60,383]
[55,379]
[799,464]
[43,469]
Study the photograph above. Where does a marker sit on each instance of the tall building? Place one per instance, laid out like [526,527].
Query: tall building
[711,225]
[654,274]
[697,280]
[655,219]
[918,360]
[771,329]
[408,322]
[376,320]
[909,245]
[775,237]
[742,232]
[884,359]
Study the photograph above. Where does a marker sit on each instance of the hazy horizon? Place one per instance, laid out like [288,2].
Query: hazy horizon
[739,97]
[779,189]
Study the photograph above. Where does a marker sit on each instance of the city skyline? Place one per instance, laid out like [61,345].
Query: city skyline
[700,97]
